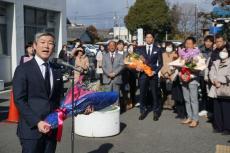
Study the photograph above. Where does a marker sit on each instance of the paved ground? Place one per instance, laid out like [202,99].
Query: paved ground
[164,136]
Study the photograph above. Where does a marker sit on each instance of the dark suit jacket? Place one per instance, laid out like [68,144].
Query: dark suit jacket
[154,60]
[31,98]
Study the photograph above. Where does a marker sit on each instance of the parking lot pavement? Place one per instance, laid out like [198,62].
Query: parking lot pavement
[164,136]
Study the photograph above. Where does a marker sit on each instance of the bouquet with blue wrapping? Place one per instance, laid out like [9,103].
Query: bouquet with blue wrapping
[84,95]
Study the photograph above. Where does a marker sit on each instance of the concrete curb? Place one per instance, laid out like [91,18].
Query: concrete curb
[5,91]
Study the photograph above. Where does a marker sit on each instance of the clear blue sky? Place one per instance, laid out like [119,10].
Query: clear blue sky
[101,12]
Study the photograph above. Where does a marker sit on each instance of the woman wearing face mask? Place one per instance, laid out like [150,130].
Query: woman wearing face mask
[167,74]
[220,76]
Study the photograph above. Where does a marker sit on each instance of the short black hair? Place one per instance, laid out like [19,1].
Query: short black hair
[29,44]
[191,38]
[210,38]
[169,43]
[121,42]
[149,33]
[218,36]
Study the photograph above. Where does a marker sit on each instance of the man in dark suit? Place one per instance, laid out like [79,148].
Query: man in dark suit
[37,88]
[152,56]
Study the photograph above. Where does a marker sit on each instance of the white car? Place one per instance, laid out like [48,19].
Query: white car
[89,48]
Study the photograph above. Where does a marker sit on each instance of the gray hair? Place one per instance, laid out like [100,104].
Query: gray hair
[40,34]
[112,41]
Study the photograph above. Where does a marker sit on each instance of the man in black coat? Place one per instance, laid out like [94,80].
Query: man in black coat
[37,89]
[152,56]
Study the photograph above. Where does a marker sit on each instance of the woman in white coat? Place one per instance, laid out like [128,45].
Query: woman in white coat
[220,76]
[99,57]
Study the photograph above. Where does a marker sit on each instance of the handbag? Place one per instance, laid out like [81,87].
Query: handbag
[224,90]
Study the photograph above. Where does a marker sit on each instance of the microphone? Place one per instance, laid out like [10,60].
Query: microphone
[63,63]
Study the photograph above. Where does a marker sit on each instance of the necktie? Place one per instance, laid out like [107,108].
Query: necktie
[47,78]
[112,58]
[149,51]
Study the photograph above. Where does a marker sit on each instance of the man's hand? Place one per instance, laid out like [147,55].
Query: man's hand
[112,75]
[43,127]
[153,73]
[89,110]
[142,58]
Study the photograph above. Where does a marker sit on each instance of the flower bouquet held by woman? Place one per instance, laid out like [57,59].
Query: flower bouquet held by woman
[133,61]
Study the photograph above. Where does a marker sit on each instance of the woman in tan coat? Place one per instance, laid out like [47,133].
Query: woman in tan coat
[220,76]
[81,63]
[167,74]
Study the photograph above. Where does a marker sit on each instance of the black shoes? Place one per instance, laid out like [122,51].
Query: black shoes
[155,117]
[143,115]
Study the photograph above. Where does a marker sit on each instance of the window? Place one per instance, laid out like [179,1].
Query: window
[41,17]
[3,29]
[38,20]
[30,16]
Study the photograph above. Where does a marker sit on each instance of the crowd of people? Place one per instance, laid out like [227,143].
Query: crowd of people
[199,93]
[205,93]
[188,88]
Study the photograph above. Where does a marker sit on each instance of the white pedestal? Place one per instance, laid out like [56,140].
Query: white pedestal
[103,123]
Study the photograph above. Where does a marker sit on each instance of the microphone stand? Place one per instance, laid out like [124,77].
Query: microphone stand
[73,68]
[73,106]
[72,115]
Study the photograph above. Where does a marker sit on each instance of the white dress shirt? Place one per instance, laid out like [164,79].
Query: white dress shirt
[43,69]
[112,54]
[121,52]
[147,48]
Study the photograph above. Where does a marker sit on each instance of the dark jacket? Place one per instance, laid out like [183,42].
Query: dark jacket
[154,61]
[31,98]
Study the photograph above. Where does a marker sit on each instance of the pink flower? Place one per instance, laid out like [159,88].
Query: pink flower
[188,53]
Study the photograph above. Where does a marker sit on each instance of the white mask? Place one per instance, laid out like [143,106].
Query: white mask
[223,55]
[169,49]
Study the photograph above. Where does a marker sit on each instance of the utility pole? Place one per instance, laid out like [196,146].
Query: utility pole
[127,7]
[196,20]
[166,36]
[114,23]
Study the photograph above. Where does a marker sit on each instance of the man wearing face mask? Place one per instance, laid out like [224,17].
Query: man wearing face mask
[167,75]
[220,76]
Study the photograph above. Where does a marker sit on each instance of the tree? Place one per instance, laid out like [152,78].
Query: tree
[187,19]
[92,32]
[175,15]
[151,15]
[221,2]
